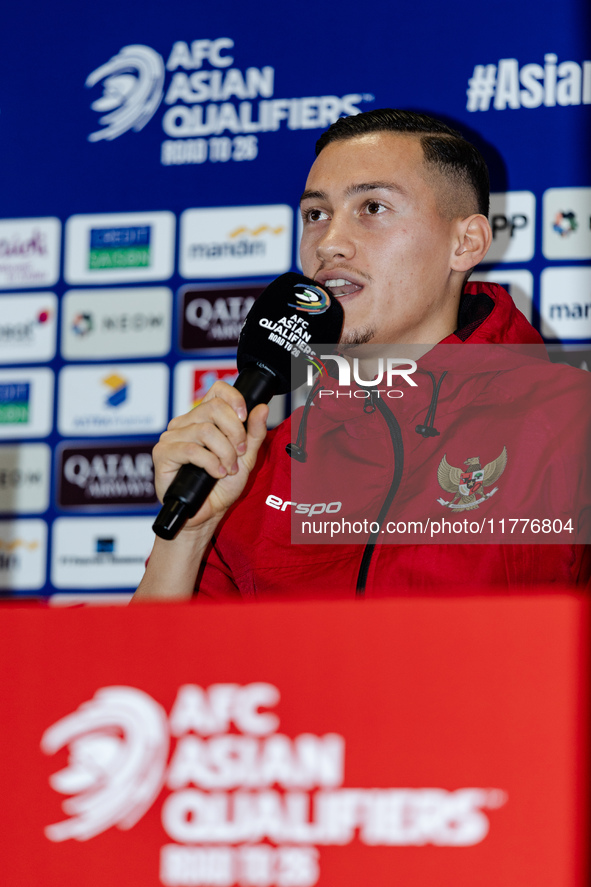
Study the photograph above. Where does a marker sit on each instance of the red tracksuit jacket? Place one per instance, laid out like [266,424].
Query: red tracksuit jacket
[435,487]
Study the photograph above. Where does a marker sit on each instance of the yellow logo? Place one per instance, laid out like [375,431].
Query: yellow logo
[13,544]
[256,232]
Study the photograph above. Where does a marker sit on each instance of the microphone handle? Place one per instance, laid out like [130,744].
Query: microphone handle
[192,485]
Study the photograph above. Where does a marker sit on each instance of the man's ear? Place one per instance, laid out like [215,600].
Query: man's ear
[472,243]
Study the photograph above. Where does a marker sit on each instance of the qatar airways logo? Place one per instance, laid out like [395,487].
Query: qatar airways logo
[243,798]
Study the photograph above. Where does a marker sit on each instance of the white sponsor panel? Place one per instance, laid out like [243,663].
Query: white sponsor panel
[119,247]
[519,285]
[24,478]
[194,378]
[113,399]
[100,552]
[29,253]
[26,403]
[567,223]
[23,551]
[28,326]
[236,241]
[116,323]
[565,303]
[512,219]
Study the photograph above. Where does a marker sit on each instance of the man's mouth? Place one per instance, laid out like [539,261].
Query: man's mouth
[340,286]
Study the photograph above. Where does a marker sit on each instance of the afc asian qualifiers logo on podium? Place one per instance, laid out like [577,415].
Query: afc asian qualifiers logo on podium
[247,804]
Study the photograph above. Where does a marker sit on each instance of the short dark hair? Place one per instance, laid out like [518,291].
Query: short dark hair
[443,147]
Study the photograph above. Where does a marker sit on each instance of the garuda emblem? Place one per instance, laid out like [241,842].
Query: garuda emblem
[468,486]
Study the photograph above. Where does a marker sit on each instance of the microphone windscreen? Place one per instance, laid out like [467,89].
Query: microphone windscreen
[290,317]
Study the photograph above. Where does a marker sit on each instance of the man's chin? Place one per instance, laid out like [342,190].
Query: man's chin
[360,336]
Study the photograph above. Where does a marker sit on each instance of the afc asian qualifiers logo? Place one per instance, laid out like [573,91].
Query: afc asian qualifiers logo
[251,801]
[118,744]
[132,91]
[468,486]
[310,299]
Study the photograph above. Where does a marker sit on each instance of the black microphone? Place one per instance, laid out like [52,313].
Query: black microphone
[276,346]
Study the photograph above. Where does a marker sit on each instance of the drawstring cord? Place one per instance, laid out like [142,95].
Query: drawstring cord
[427,430]
[297,450]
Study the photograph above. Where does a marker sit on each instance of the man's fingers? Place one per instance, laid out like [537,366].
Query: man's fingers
[168,459]
[257,430]
[230,395]
[257,423]
[213,437]
[199,423]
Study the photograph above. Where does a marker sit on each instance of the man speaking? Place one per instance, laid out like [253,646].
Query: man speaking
[394,220]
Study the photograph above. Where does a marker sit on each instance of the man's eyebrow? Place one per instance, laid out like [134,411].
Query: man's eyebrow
[374,186]
[361,188]
[314,195]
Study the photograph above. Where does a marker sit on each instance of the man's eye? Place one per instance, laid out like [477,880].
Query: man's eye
[314,215]
[373,208]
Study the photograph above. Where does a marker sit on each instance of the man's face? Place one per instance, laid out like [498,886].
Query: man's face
[374,237]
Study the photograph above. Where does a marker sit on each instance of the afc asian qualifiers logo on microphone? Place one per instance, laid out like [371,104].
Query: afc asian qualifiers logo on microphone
[310,299]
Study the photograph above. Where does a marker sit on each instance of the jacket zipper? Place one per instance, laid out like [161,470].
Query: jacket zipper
[397,446]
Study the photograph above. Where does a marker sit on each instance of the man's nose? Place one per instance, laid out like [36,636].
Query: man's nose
[337,241]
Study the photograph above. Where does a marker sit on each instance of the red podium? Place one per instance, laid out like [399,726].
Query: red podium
[400,742]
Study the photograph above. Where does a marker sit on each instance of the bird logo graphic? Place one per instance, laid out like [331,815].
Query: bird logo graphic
[468,486]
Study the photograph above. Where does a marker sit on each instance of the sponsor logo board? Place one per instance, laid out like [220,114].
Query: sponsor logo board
[23,550]
[26,403]
[100,552]
[114,475]
[24,478]
[119,247]
[29,252]
[27,327]
[116,323]
[565,303]
[519,285]
[512,219]
[213,318]
[567,223]
[113,399]
[235,241]
[194,378]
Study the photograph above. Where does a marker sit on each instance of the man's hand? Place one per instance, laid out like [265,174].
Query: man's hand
[212,436]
